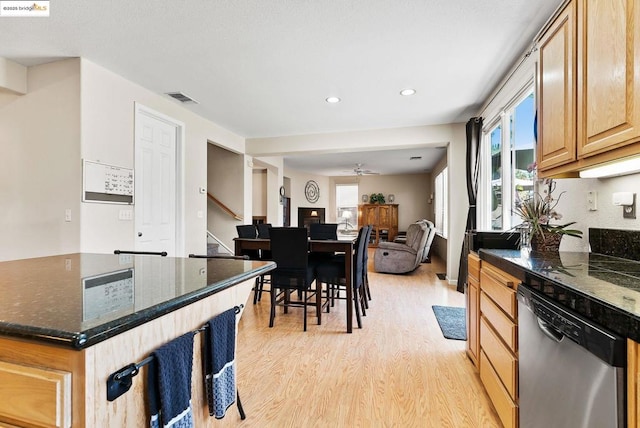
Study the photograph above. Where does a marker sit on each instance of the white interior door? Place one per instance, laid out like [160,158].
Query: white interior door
[155,183]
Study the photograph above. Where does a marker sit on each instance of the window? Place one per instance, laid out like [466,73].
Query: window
[441,191]
[347,207]
[507,161]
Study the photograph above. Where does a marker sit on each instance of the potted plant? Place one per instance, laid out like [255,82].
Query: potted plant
[376,198]
[536,214]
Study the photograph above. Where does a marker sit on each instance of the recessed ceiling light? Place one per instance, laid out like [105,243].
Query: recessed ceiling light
[407,92]
[332,100]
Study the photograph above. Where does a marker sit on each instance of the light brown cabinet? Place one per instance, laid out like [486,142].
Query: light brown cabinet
[473,308]
[383,217]
[589,86]
[498,335]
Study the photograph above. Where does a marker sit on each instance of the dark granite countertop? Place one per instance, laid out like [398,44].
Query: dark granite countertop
[77,300]
[603,288]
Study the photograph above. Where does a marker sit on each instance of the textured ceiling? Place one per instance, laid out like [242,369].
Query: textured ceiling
[263,68]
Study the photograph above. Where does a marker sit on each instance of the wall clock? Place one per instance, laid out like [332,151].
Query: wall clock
[312,191]
[281,190]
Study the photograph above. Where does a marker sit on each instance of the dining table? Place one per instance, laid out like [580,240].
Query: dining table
[344,246]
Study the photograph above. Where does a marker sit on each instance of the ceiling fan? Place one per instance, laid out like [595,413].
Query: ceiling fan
[358,170]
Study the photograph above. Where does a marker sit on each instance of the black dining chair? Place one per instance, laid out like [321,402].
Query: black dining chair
[365,270]
[322,231]
[263,233]
[333,273]
[289,248]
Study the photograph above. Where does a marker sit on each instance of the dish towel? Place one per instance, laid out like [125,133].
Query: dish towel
[220,365]
[169,384]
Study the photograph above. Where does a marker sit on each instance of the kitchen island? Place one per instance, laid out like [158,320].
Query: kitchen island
[69,321]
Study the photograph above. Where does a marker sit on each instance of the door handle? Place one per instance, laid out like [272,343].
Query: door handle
[139,234]
[549,331]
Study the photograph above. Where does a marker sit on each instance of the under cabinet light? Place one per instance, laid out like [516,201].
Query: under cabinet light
[614,169]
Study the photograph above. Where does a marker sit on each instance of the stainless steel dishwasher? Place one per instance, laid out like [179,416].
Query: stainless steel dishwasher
[571,371]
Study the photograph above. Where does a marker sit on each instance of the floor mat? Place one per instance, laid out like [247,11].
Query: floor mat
[451,321]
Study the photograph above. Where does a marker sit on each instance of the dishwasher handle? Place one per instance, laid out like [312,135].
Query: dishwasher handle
[549,331]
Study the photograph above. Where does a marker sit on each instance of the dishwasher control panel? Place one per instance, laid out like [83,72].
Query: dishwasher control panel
[563,324]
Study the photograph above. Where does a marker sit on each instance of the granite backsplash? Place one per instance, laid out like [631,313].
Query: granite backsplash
[615,242]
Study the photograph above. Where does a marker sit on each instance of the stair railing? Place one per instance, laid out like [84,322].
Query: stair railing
[224,207]
[219,242]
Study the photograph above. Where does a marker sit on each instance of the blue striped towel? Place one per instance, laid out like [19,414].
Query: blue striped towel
[220,366]
[169,384]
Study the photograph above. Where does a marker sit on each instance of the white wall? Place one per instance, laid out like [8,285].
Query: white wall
[298,180]
[411,193]
[225,183]
[107,111]
[458,199]
[259,192]
[40,169]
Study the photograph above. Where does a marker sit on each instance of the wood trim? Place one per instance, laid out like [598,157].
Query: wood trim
[474,264]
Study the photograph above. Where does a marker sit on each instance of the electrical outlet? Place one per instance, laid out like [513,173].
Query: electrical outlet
[67,214]
[629,211]
[592,200]
[125,215]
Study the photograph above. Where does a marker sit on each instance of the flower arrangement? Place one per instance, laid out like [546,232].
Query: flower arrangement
[376,198]
[537,212]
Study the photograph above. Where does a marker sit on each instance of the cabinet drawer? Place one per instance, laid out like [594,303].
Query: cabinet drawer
[502,359]
[500,289]
[473,262]
[35,396]
[505,407]
[501,323]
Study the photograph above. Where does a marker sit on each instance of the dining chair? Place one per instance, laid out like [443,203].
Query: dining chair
[365,270]
[289,248]
[263,233]
[333,273]
[322,231]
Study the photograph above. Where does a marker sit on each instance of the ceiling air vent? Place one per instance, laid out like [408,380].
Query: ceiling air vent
[415,158]
[182,97]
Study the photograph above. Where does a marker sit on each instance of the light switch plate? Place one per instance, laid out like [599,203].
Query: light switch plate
[592,200]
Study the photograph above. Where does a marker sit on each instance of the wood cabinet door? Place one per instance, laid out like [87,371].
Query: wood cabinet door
[384,216]
[608,75]
[556,92]
[370,214]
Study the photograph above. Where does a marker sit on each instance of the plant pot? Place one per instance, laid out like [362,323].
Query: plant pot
[546,242]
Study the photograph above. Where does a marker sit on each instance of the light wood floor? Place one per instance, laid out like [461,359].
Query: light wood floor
[397,371]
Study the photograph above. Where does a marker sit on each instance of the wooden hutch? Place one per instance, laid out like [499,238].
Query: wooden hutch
[383,217]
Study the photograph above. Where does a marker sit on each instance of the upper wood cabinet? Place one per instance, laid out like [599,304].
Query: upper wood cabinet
[589,86]
[608,75]
[556,92]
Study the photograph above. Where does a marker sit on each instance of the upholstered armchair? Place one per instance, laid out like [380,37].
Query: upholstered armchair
[394,257]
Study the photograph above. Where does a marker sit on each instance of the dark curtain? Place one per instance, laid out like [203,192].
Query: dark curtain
[474,135]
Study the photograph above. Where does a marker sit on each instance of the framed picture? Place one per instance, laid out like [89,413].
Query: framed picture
[365,198]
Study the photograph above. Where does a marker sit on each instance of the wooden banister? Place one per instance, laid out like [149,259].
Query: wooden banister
[224,207]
